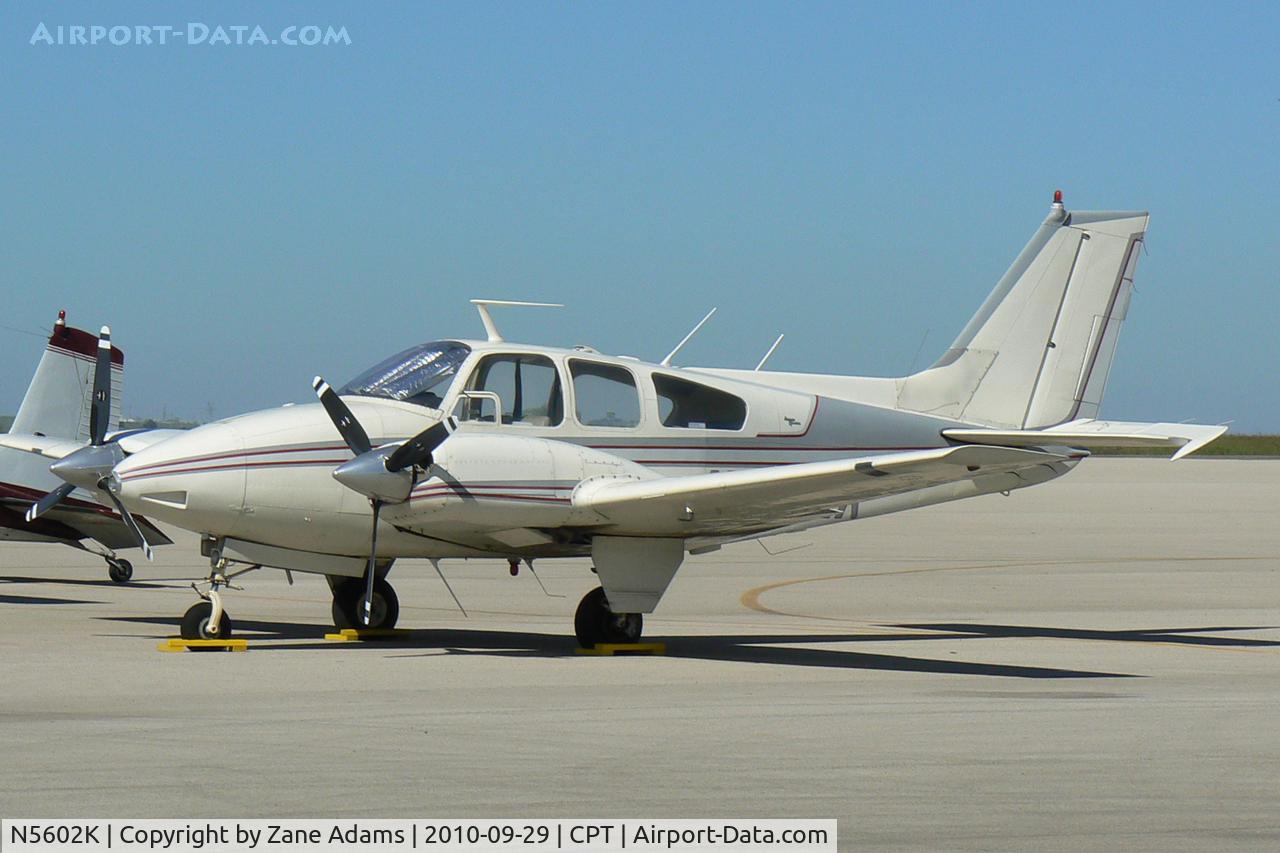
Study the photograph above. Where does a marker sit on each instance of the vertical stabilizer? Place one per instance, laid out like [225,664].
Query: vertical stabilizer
[1038,351]
[58,400]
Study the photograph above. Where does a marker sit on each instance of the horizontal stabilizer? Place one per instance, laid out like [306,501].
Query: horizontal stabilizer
[1088,434]
[56,448]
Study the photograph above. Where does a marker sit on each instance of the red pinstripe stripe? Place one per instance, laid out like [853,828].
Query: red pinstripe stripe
[235,453]
[196,470]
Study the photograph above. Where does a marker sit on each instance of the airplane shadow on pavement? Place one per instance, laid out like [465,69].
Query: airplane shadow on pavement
[1181,636]
[778,649]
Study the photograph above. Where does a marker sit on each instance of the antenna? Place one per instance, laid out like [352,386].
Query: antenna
[482,305]
[666,362]
[770,352]
[919,349]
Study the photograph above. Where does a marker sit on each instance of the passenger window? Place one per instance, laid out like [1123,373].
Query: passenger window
[604,394]
[527,385]
[688,404]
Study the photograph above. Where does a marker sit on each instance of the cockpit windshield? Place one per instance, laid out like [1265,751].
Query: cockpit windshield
[419,375]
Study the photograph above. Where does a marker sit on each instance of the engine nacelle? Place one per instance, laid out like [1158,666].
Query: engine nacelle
[498,481]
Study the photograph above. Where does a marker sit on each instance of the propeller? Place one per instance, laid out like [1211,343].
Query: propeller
[382,474]
[90,466]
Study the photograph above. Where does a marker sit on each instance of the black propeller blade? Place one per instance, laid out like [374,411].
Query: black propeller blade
[100,409]
[49,501]
[130,522]
[418,450]
[373,560]
[348,427]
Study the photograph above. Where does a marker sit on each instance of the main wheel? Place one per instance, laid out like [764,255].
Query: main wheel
[595,623]
[348,605]
[195,623]
[120,571]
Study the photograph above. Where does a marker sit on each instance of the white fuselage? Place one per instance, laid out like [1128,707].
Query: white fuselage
[266,476]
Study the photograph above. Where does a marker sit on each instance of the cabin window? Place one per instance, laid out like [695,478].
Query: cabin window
[687,404]
[528,387]
[605,395]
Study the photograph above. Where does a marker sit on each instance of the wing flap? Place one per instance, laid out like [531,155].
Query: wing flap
[766,498]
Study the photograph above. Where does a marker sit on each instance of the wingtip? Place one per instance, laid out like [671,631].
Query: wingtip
[1192,446]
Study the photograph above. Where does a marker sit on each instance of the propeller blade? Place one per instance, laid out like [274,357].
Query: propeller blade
[100,408]
[132,524]
[418,450]
[49,501]
[373,560]
[348,427]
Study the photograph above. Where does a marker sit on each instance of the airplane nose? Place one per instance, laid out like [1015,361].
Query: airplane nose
[194,480]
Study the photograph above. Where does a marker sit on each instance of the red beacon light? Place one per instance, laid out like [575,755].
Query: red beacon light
[62,318]
[1057,196]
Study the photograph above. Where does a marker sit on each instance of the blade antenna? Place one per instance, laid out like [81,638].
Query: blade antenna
[534,572]
[770,352]
[436,565]
[491,328]
[666,362]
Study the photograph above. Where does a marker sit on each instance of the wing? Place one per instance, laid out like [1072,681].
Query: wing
[74,519]
[743,502]
[1092,433]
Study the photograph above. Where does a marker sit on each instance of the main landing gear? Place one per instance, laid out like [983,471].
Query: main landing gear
[348,604]
[595,623]
[120,571]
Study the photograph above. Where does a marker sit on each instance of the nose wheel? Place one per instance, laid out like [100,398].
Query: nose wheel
[198,623]
[348,605]
[206,620]
[595,623]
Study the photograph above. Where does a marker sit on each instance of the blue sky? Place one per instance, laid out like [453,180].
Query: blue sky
[855,175]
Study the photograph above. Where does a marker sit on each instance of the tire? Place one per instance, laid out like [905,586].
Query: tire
[120,571]
[595,623]
[348,605]
[195,623]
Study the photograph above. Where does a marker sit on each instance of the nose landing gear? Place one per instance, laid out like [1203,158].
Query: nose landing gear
[198,623]
[206,619]
[594,623]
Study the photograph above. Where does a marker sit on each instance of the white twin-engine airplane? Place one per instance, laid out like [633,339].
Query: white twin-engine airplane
[460,448]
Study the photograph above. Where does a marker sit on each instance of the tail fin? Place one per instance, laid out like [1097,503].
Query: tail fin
[58,400]
[1040,348]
